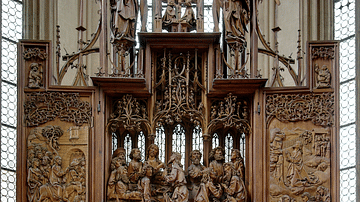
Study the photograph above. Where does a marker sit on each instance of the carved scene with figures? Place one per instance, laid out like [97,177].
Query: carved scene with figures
[177,114]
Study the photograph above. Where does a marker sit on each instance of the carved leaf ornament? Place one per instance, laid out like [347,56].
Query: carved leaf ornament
[34,53]
[319,108]
[130,114]
[40,108]
[230,113]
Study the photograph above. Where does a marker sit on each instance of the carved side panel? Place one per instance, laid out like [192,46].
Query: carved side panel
[323,58]
[57,157]
[299,147]
[34,63]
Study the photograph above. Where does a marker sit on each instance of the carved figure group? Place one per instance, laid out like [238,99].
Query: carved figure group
[299,164]
[323,78]
[47,181]
[152,180]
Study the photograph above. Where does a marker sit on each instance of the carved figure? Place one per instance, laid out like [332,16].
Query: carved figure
[234,186]
[276,154]
[323,77]
[285,198]
[144,183]
[238,162]
[170,13]
[217,157]
[195,173]
[135,165]
[35,76]
[189,16]
[306,197]
[75,189]
[177,179]
[57,177]
[296,175]
[34,180]
[125,16]
[152,158]
[236,18]
[208,190]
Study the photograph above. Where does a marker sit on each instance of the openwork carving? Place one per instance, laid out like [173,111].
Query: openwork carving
[230,113]
[324,52]
[299,164]
[34,53]
[129,113]
[178,89]
[319,108]
[39,108]
[46,179]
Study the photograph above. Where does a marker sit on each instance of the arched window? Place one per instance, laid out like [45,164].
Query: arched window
[114,142]
[127,146]
[215,140]
[178,141]
[229,145]
[141,144]
[160,142]
[197,140]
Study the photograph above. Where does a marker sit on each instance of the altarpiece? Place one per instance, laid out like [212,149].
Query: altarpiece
[178,114]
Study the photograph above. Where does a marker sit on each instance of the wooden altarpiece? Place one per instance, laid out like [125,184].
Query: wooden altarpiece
[65,134]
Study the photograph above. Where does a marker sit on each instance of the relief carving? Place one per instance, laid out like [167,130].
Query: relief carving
[46,179]
[228,113]
[323,53]
[155,181]
[323,76]
[299,164]
[34,53]
[130,113]
[35,75]
[319,108]
[40,108]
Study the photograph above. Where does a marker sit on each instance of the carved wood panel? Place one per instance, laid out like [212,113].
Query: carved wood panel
[57,146]
[299,134]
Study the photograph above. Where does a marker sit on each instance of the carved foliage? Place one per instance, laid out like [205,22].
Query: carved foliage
[178,90]
[319,108]
[34,53]
[40,108]
[228,113]
[129,113]
[323,52]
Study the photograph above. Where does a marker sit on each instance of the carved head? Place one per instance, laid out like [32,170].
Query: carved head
[57,160]
[195,157]
[121,154]
[235,155]
[34,67]
[147,170]
[285,198]
[152,151]
[305,197]
[175,157]
[217,154]
[135,154]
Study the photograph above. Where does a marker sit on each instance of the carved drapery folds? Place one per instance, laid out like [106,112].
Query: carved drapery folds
[41,108]
[178,89]
[230,112]
[129,113]
[319,108]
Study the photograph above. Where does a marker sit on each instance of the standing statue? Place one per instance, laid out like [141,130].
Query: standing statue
[177,179]
[124,19]
[234,186]
[189,16]
[169,16]
[35,76]
[236,18]
[195,173]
